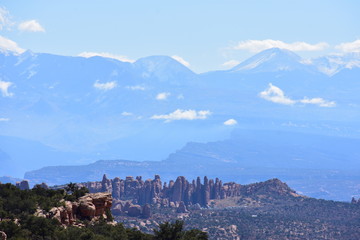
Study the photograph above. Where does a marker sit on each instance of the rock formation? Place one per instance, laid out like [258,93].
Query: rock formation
[23,185]
[3,236]
[181,208]
[152,191]
[91,206]
[134,211]
[130,209]
[146,211]
[354,201]
[42,185]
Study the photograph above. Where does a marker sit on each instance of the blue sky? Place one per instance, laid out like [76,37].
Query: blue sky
[204,33]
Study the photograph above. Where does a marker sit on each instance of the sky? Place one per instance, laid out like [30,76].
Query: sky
[203,34]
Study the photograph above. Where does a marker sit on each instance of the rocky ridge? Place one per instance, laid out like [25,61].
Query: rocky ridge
[179,193]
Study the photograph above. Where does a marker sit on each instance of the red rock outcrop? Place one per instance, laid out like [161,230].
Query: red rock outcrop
[91,206]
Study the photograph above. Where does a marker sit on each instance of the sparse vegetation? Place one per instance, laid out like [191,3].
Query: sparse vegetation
[17,220]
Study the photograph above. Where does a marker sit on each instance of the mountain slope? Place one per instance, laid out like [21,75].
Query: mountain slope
[146,110]
[272,60]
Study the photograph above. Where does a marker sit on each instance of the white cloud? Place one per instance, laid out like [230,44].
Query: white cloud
[105,86]
[260,45]
[276,95]
[125,114]
[318,101]
[349,46]
[231,63]
[7,45]
[181,60]
[136,87]
[31,26]
[4,88]
[4,119]
[163,96]
[106,55]
[230,122]
[180,114]
[5,17]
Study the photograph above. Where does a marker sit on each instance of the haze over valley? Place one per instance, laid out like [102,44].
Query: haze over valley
[269,116]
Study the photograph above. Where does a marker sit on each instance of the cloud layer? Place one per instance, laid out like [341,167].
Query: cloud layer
[180,114]
[260,45]
[318,101]
[349,46]
[4,88]
[163,96]
[105,86]
[7,45]
[5,21]
[125,114]
[136,88]
[230,122]
[276,95]
[31,26]
[106,55]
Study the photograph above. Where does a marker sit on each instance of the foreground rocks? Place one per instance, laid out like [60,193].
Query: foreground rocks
[3,236]
[92,206]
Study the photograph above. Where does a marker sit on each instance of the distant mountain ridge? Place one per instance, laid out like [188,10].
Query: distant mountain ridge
[246,157]
[271,60]
[76,110]
[152,191]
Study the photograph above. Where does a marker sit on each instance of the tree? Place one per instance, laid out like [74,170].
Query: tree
[175,231]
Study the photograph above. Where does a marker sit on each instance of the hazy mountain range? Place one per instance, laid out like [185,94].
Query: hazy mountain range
[60,110]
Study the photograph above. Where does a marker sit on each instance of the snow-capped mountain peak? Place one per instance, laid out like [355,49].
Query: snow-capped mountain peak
[332,64]
[271,60]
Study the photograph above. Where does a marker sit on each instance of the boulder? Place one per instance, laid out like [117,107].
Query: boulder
[354,201]
[197,207]
[146,211]
[181,208]
[134,211]
[127,206]
[87,208]
[3,236]
[23,185]
[117,209]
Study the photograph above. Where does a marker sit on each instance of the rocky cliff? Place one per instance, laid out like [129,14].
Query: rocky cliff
[92,206]
[153,191]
